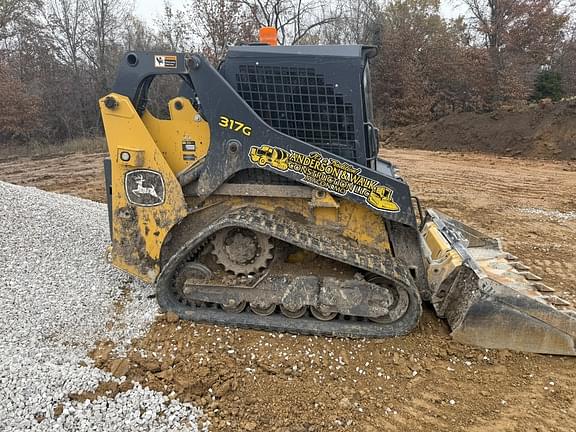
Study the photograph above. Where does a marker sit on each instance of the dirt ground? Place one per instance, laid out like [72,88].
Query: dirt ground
[545,131]
[256,381]
[75,174]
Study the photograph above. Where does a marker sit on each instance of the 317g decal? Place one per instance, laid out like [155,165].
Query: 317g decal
[235,125]
[340,178]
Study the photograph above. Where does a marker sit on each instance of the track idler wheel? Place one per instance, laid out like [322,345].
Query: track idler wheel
[399,305]
[234,306]
[321,315]
[263,310]
[293,311]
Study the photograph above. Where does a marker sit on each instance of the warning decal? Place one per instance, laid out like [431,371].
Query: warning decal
[165,61]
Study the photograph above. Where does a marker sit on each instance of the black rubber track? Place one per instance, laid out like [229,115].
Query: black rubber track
[309,237]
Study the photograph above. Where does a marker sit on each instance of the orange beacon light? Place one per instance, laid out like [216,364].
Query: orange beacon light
[269,35]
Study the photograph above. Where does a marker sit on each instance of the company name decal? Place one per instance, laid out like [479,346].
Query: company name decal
[330,174]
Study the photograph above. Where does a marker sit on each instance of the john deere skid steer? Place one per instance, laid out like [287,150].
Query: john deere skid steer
[261,202]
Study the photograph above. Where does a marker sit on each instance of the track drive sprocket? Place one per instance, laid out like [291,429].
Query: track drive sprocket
[242,251]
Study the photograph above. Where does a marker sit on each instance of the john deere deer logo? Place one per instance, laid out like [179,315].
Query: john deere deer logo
[141,190]
[144,188]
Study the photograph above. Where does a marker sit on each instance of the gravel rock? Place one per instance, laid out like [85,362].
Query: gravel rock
[345,403]
[171,317]
[59,296]
[554,215]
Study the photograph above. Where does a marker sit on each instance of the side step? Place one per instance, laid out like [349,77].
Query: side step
[489,298]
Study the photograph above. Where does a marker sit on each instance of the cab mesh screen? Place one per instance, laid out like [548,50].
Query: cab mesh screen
[299,102]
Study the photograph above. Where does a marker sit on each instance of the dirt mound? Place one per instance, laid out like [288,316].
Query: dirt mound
[538,131]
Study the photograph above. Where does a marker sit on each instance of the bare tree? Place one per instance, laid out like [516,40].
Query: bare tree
[295,20]
[354,21]
[217,24]
[67,20]
[138,36]
[174,28]
[565,62]
[106,18]
[11,11]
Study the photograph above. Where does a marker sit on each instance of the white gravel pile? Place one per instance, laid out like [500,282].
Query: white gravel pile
[554,215]
[57,295]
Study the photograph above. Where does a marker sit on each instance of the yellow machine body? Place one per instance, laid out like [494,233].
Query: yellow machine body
[159,145]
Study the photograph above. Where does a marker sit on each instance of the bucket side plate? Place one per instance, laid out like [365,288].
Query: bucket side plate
[489,298]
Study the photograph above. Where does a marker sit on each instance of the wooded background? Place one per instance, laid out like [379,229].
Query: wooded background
[59,56]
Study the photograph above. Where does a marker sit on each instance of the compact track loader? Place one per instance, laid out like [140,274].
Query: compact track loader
[261,202]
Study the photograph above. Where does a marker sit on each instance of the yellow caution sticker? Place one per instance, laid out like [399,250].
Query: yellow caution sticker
[166,61]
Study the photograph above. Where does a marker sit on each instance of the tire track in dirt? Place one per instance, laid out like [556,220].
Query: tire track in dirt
[549,405]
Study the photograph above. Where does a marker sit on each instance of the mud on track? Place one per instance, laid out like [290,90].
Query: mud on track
[250,380]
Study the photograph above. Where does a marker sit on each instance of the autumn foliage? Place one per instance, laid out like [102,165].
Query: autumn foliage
[59,56]
[18,108]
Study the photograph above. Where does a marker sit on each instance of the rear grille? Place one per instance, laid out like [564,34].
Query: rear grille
[299,102]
